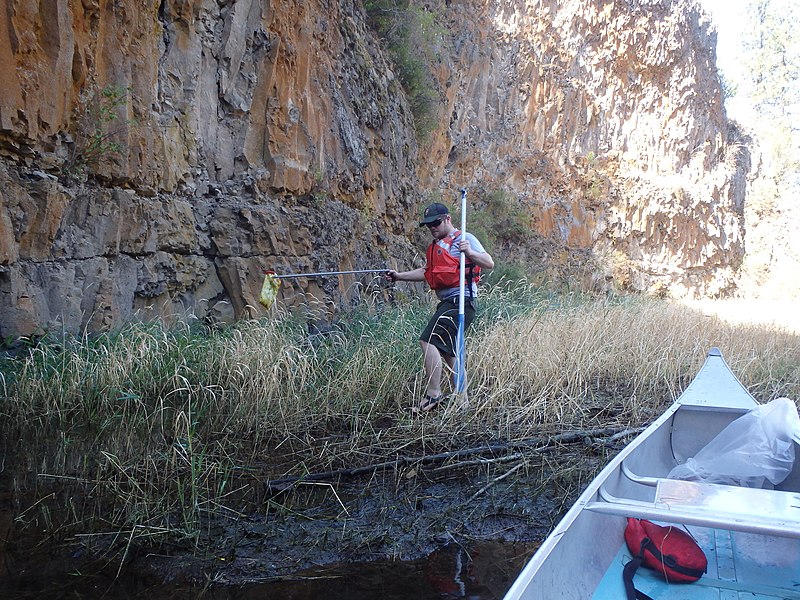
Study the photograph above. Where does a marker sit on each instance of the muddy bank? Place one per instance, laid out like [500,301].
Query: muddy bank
[401,516]
[392,517]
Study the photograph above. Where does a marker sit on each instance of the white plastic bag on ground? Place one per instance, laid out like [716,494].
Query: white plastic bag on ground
[756,446]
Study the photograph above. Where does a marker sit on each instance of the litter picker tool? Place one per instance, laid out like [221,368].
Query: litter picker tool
[272,282]
[323,273]
[460,363]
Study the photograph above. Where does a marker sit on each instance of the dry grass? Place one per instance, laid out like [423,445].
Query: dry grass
[623,360]
[163,427]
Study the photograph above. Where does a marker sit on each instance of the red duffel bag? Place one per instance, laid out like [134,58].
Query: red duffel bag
[669,551]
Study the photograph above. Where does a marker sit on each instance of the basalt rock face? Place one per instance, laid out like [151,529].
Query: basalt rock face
[155,157]
[606,119]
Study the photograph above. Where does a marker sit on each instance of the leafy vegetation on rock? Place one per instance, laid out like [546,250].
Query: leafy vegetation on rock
[415,38]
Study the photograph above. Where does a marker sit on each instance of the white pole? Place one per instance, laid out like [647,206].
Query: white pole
[461,369]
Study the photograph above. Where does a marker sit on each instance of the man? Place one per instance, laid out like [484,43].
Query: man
[442,272]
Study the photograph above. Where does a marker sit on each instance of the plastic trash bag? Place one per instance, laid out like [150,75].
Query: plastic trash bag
[269,289]
[756,446]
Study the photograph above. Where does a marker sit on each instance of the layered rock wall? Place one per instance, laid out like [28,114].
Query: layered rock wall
[275,134]
[606,120]
[252,135]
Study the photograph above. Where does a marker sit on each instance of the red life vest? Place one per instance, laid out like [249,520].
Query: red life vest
[443,270]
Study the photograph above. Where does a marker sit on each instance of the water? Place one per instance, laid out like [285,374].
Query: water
[482,571]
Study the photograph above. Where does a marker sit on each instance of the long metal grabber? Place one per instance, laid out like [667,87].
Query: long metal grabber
[269,289]
[274,276]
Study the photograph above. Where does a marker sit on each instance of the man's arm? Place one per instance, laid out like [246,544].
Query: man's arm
[415,275]
[483,259]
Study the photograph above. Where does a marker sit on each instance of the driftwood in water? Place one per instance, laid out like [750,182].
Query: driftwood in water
[589,437]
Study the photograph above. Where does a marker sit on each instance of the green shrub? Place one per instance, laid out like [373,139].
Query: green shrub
[414,39]
[93,136]
[501,222]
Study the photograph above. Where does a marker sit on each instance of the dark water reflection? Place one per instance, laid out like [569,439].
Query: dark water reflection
[482,571]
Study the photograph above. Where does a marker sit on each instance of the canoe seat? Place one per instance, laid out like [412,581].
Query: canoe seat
[711,505]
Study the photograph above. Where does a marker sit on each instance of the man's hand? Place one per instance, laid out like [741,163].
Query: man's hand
[482,259]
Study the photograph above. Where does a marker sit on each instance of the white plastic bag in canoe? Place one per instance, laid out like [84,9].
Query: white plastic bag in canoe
[758,445]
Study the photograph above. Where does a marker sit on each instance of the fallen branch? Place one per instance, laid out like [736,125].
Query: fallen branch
[609,441]
[481,461]
[495,480]
[570,437]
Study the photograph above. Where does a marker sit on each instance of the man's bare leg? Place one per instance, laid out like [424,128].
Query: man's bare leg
[432,361]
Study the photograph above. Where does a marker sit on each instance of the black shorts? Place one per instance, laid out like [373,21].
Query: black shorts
[442,329]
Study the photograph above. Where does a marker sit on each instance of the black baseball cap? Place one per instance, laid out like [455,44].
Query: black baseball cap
[433,213]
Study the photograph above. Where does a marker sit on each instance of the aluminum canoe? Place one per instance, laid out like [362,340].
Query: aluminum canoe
[751,537]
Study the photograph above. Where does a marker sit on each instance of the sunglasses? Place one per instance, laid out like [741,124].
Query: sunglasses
[435,223]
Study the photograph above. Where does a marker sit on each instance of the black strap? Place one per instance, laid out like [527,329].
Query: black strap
[631,593]
[670,562]
[470,275]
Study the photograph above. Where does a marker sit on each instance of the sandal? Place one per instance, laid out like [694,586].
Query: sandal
[426,404]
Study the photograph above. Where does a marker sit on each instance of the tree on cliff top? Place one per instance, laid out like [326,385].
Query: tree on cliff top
[770,85]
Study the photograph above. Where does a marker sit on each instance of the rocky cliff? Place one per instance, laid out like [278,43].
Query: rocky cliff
[155,157]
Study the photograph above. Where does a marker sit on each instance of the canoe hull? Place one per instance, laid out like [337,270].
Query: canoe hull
[582,558]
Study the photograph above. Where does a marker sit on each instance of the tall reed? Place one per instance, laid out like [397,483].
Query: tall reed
[162,427]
